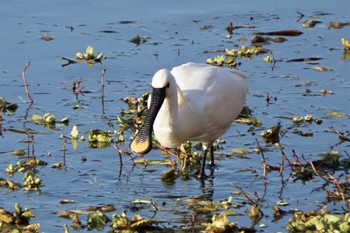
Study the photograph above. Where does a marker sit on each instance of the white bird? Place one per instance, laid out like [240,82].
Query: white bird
[192,102]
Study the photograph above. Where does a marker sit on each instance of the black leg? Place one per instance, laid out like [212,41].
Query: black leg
[201,172]
[212,163]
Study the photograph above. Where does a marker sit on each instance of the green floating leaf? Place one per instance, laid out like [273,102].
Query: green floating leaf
[31,182]
[74,133]
[66,201]
[169,176]
[136,223]
[272,135]
[310,23]
[282,203]
[138,40]
[89,53]
[220,223]
[18,152]
[100,136]
[47,37]
[36,118]
[337,114]
[153,162]
[23,131]
[57,165]
[97,220]
[89,57]
[238,151]
[322,68]
[6,106]
[345,43]
[50,119]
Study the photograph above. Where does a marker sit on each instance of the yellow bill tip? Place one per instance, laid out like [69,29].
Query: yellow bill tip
[140,146]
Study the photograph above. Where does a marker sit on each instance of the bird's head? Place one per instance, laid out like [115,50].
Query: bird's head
[161,82]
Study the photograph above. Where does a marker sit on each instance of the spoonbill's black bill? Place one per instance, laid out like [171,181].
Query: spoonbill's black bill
[192,102]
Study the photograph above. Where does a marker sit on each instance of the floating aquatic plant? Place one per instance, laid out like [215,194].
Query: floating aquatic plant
[89,56]
[310,23]
[7,107]
[345,43]
[99,136]
[307,119]
[31,181]
[220,223]
[18,221]
[138,40]
[74,133]
[272,135]
[97,220]
[5,183]
[48,120]
[319,221]
[46,37]
[136,223]
[229,58]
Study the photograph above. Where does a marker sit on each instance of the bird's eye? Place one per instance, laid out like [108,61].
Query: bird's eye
[167,86]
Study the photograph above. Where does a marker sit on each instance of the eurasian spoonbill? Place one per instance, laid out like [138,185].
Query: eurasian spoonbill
[192,102]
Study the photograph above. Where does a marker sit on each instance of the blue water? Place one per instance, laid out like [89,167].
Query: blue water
[176,39]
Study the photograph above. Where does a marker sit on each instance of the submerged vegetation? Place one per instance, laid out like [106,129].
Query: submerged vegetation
[326,172]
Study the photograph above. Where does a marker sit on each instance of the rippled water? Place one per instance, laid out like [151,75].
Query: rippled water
[178,32]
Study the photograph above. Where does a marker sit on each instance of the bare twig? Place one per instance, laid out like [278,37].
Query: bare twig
[314,169]
[103,90]
[167,152]
[69,61]
[64,151]
[103,82]
[119,153]
[300,17]
[252,202]
[76,88]
[267,98]
[25,81]
[340,188]
[263,160]
[283,156]
[154,205]
[340,134]
[1,129]
[32,140]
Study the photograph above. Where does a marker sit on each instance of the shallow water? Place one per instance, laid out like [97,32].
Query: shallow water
[176,39]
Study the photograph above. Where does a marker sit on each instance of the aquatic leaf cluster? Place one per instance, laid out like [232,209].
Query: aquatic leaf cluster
[272,135]
[18,221]
[30,180]
[88,57]
[220,223]
[138,40]
[230,56]
[136,223]
[96,218]
[99,138]
[7,107]
[346,45]
[319,221]
[48,120]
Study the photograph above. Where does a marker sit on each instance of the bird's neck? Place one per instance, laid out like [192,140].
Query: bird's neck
[173,108]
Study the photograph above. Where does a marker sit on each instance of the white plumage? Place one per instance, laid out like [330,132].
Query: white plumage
[199,104]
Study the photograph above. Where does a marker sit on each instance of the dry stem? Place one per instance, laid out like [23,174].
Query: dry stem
[25,81]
